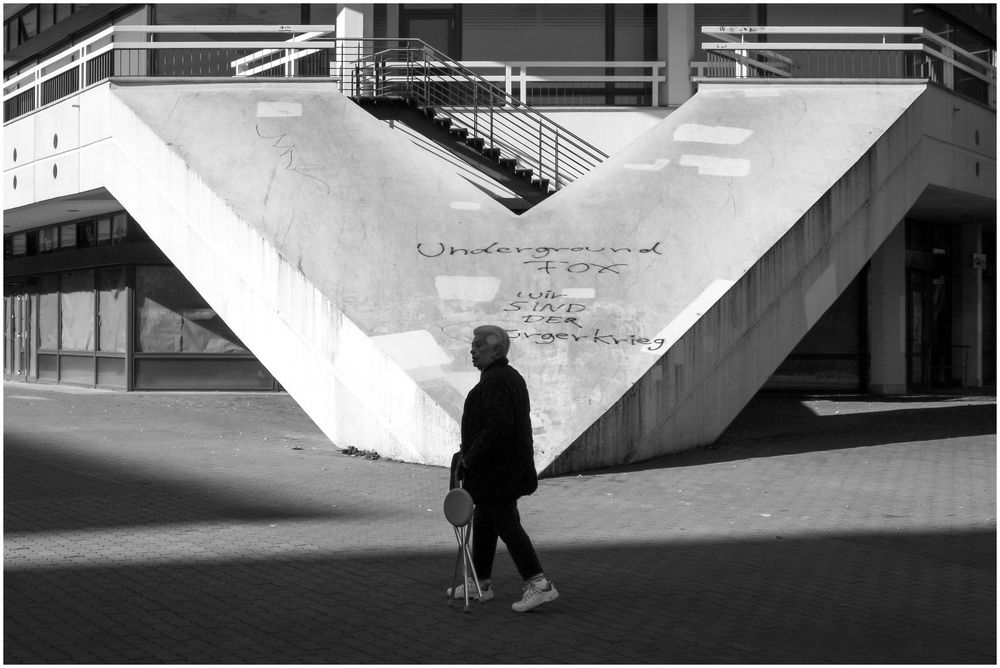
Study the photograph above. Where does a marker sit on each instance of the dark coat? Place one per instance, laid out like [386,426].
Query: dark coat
[497,447]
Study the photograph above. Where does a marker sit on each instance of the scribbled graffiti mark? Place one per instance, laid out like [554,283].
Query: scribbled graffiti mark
[293,163]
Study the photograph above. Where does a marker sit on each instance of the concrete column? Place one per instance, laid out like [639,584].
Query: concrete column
[887,315]
[967,306]
[355,20]
[676,42]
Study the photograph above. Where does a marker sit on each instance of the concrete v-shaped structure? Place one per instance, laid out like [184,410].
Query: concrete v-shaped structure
[647,302]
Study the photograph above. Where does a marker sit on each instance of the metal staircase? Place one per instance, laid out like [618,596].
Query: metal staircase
[507,134]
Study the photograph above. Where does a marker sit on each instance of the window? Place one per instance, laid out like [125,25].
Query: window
[174,318]
[33,20]
[29,23]
[76,310]
[119,228]
[67,236]
[46,16]
[49,239]
[19,245]
[48,313]
[103,230]
[113,229]
[112,310]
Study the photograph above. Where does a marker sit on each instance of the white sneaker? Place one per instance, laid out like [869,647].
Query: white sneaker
[534,597]
[459,591]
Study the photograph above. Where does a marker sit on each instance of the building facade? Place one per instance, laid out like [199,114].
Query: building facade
[94,295]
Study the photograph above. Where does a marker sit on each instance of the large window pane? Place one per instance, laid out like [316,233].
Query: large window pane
[173,317]
[220,14]
[113,310]
[533,31]
[111,372]
[47,367]
[48,313]
[77,310]
[201,374]
[76,370]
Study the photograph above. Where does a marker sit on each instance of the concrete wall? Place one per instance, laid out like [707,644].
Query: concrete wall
[647,302]
[693,392]
[609,129]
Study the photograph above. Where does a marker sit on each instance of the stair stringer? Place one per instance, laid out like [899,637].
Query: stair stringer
[695,390]
[354,392]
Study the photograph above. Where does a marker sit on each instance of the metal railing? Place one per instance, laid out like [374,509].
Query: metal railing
[506,127]
[576,83]
[880,53]
[128,50]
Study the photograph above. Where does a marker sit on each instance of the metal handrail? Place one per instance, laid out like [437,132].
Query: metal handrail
[927,56]
[413,69]
[509,128]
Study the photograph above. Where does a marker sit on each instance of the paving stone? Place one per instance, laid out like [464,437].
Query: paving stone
[820,530]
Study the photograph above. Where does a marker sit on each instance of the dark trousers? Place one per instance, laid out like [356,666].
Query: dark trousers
[501,520]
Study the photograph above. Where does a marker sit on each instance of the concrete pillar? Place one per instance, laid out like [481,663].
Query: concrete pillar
[967,306]
[355,20]
[676,42]
[887,315]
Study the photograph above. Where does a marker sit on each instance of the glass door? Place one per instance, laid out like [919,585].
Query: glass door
[17,335]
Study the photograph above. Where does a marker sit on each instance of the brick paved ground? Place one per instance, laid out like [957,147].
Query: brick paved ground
[223,528]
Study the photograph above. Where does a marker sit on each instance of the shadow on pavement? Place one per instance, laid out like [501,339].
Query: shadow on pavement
[841,598]
[775,426]
[50,488]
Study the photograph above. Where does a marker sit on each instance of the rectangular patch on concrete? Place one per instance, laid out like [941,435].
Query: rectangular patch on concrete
[579,293]
[711,165]
[654,167]
[711,134]
[467,288]
[278,109]
[412,350]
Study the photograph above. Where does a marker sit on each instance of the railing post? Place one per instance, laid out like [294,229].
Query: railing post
[655,102]
[507,85]
[83,68]
[555,179]
[948,66]
[523,96]
[540,129]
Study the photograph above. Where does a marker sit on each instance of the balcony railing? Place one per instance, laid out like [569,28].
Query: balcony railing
[125,51]
[871,53]
[506,127]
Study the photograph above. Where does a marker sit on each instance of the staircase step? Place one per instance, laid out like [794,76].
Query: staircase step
[524,173]
[459,133]
[508,163]
[492,153]
[444,123]
[543,184]
[475,142]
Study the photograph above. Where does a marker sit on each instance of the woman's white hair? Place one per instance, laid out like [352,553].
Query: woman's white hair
[495,336]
